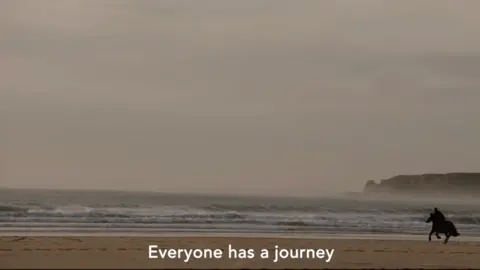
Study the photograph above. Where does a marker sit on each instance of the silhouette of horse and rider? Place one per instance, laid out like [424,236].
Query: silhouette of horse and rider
[441,225]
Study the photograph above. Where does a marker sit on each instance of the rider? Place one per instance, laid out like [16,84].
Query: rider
[438,214]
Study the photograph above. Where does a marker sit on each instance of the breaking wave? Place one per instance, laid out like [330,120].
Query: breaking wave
[312,218]
[54,210]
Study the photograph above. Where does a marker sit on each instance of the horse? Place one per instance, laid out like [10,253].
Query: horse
[441,226]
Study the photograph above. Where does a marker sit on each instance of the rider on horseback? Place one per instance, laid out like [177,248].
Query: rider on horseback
[439,215]
[441,225]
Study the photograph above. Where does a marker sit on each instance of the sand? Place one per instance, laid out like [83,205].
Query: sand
[132,252]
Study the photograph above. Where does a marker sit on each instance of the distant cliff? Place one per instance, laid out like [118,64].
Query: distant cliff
[449,183]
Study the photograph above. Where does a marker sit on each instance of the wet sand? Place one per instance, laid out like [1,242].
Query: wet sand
[133,252]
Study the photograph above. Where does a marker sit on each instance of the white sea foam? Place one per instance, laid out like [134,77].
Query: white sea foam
[44,211]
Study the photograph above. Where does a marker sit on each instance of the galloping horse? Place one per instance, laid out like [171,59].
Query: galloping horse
[441,226]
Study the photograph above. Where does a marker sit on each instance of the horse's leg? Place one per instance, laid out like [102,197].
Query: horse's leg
[446,238]
[430,235]
[438,236]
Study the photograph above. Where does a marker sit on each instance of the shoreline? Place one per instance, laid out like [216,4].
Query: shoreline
[313,236]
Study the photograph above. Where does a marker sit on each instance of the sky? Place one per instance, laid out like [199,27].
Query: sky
[269,97]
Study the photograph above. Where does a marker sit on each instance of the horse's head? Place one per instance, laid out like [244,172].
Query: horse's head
[430,218]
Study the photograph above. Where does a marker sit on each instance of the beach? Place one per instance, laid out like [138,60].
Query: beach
[133,252]
[96,229]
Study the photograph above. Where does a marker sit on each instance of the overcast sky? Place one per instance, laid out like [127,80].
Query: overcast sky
[265,96]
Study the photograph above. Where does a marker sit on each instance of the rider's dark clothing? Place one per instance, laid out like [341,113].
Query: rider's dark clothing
[439,215]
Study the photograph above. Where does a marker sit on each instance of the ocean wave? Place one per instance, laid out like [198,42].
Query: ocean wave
[133,211]
[84,214]
[14,209]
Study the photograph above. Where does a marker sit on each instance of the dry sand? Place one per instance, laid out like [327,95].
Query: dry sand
[132,252]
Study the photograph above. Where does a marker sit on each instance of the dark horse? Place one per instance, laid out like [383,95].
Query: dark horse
[441,226]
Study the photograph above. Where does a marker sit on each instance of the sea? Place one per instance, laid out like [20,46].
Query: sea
[37,212]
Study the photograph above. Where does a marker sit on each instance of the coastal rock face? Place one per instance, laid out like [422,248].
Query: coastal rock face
[449,183]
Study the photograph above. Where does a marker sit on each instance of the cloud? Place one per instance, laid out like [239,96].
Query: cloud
[212,93]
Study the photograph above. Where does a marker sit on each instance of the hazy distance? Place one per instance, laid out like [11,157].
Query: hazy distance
[269,97]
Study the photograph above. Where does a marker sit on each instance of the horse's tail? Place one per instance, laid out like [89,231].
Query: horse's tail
[453,229]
